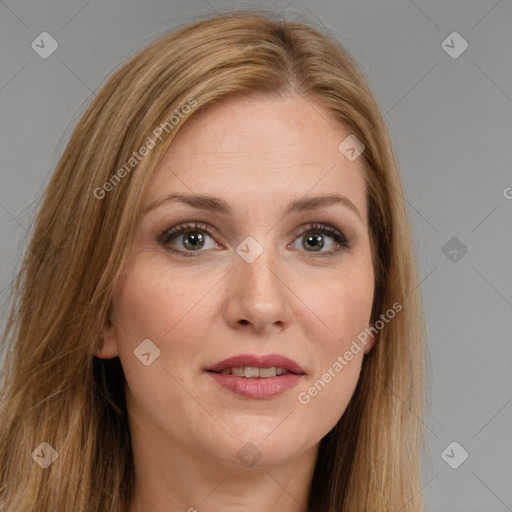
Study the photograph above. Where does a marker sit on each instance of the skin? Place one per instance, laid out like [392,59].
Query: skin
[258,154]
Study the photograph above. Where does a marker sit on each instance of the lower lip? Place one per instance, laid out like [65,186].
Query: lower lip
[257,388]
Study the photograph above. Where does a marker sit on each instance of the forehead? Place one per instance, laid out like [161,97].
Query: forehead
[261,151]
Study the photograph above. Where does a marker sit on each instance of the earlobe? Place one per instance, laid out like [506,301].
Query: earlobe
[372,339]
[107,345]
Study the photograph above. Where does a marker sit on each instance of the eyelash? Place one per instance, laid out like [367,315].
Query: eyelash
[170,234]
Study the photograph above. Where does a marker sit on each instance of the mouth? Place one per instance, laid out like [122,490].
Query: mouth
[257,377]
[254,372]
[257,367]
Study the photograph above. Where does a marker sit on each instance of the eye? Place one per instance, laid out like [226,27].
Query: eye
[194,237]
[313,236]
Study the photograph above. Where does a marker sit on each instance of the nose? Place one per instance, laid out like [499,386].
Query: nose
[258,296]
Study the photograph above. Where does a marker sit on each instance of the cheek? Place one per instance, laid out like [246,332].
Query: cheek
[327,392]
[153,302]
[326,396]
[153,298]
[340,309]
[156,303]
[342,312]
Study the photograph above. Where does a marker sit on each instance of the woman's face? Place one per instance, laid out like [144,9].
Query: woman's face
[257,282]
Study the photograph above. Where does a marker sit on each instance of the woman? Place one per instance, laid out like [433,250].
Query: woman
[219,309]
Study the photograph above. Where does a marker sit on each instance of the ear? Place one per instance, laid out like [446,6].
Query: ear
[372,338]
[107,343]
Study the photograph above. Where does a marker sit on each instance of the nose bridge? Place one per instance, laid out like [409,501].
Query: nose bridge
[258,294]
[260,272]
[258,267]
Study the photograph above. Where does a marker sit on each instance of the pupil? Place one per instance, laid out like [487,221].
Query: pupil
[199,240]
[312,239]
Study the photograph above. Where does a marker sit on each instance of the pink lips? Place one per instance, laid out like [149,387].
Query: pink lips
[257,388]
[266,361]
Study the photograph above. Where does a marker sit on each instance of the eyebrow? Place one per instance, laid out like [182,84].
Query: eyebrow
[217,205]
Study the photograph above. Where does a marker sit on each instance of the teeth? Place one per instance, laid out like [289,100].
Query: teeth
[253,372]
[265,373]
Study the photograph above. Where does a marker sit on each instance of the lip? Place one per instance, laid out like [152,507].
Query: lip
[257,388]
[261,361]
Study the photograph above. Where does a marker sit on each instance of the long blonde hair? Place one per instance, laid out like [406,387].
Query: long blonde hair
[54,390]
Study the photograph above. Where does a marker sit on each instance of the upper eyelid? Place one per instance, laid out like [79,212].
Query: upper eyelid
[204,226]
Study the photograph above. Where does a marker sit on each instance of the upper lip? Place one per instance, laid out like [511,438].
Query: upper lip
[260,361]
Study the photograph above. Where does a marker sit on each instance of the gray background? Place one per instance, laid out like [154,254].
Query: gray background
[451,121]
